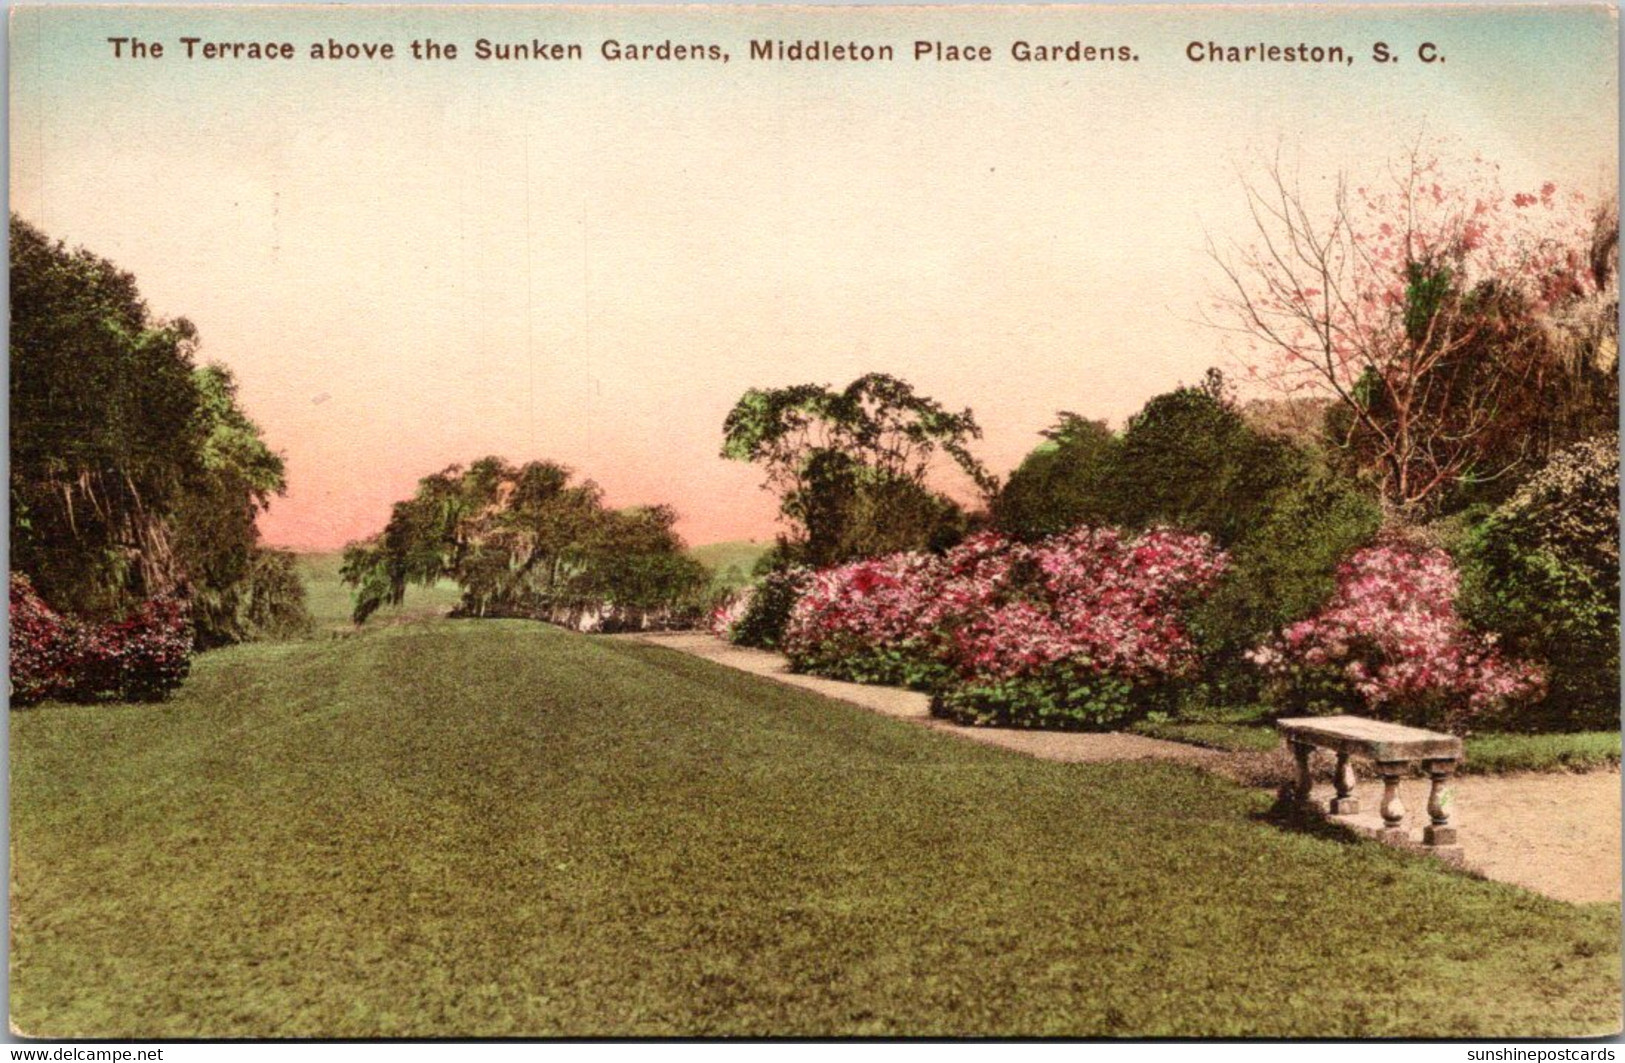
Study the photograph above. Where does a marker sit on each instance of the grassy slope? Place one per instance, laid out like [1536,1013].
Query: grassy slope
[329,600]
[495,828]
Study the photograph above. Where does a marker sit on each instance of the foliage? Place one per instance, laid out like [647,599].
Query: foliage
[873,621]
[140,657]
[1189,459]
[215,534]
[758,615]
[1060,484]
[331,602]
[1544,570]
[276,606]
[1090,625]
[104,428]
[1192,459]
[850,466]
[43,646]
[524,541]
[1065,696]
[134,474]
[1391,642]
[1463,330]
[1283,567]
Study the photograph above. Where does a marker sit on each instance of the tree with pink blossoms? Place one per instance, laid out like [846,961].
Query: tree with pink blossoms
[1441,311]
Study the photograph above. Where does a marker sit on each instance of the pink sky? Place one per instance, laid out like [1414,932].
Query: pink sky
[408,265]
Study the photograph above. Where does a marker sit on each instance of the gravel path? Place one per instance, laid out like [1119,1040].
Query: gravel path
[1557,834]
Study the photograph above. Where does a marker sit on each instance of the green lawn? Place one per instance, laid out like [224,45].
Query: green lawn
[330,602]
[1584,751]
[494,828]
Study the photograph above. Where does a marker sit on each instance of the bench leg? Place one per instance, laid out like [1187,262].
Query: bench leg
[1304,791]
[1439,831]
[1345,803]
[1393,809]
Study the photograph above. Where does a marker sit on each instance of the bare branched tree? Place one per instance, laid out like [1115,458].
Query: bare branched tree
[1422,310]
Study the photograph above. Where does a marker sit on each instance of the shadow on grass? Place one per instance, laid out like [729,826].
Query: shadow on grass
[1285,813]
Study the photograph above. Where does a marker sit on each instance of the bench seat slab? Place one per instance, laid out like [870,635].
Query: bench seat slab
[1381,741]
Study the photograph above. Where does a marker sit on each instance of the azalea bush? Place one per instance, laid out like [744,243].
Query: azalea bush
[141,657]
[871,621]
[1077,630]
[1392,644]
[1080,630]
[42,645]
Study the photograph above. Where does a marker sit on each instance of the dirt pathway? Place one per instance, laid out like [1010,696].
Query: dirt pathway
[1557,834]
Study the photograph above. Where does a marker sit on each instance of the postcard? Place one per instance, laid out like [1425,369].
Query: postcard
[639,522]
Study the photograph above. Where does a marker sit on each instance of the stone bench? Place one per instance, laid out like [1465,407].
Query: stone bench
[1393,748]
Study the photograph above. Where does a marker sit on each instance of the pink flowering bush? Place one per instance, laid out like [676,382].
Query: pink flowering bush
[1073,631]
[1391,643]
[1084,631]
[42,645]
[141,657]
[870,621]
[728,612]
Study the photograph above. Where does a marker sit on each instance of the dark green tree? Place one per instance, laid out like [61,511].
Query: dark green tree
[1190,459]
[1060,485]
[851,466]
[104,428]
[134,473]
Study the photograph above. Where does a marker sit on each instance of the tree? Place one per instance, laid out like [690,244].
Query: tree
[237,587]
[1190,459]
[523,541]
[851,466]
[1440,315]
[1060,485]
[104,428]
